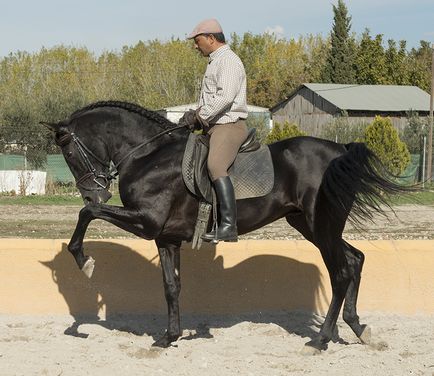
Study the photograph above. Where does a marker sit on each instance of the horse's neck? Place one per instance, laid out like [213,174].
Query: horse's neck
[140,142]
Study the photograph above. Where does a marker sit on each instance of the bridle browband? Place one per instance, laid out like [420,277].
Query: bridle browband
[102,179]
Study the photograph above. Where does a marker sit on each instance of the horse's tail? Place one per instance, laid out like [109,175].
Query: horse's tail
[358,185]
[354,187]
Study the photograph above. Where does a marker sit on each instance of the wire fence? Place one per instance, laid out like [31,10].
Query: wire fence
[57,177]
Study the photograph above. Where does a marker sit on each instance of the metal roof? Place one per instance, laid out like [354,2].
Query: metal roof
[373,97]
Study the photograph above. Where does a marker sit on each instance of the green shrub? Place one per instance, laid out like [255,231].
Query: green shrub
[415,129]
[383,139]
[260,123]
[282,131]
[341,130]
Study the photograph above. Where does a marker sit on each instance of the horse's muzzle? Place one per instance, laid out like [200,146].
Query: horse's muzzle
[95,197]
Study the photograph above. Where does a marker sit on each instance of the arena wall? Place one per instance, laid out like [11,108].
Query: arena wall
[40,277]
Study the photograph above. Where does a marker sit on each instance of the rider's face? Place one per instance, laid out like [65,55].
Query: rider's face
[205,43]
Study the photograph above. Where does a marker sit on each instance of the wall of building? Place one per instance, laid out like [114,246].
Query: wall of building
[312,113]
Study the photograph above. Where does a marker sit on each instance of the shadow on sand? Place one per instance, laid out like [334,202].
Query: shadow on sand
[130,289]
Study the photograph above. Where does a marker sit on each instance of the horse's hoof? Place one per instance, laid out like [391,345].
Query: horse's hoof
[309,351]
[365,337]
[165,341]
[88,267]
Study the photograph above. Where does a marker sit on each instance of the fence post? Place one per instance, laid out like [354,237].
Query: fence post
[431,104]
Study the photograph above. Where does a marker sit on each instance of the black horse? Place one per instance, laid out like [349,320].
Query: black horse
[318,185]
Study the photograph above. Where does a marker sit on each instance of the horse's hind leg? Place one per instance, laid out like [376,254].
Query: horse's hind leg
[300,223]
[340,282]
[355,259]
[327,234]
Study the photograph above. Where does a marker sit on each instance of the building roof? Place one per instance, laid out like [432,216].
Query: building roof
[381,98]
[186,107]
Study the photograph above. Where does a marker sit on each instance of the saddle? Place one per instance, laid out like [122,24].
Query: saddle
[252,175]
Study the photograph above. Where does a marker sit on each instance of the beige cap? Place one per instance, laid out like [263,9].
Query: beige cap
[209,26]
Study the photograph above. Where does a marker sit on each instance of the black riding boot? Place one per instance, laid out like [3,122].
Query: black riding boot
[227,229]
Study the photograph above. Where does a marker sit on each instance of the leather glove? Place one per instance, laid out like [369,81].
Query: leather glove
[189,120]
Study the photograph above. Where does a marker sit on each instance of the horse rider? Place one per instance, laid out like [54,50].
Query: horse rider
[221,114]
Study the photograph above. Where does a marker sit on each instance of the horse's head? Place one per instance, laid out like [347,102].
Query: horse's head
[88,160]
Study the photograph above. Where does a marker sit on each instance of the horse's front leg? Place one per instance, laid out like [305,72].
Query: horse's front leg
[127,219]
[170,263]
[75,246]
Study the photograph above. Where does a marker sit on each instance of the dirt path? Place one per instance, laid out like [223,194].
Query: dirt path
[47,221]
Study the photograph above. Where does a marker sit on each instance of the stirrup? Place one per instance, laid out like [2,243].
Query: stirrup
[209,237]
[214,237]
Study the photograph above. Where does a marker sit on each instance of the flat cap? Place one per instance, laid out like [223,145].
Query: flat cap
[209,26]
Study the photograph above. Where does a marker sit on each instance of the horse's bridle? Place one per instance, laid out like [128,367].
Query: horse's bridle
[102,179]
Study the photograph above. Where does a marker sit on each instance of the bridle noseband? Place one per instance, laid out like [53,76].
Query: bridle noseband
[102,179]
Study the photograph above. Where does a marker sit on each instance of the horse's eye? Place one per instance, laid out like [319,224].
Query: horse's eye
[69,153]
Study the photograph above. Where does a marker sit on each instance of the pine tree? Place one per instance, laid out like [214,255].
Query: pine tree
[396,63]
[420,66]
[371,67]
[339,67]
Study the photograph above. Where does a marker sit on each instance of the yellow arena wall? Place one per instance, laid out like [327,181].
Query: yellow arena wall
[39,276]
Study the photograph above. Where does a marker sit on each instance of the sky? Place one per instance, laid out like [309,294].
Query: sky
[108,25]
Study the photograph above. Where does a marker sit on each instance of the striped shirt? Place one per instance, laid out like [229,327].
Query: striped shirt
[223,92]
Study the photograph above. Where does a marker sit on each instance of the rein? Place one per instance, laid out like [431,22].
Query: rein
[103,179]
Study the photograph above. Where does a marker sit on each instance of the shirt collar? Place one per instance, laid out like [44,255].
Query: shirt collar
[218,52]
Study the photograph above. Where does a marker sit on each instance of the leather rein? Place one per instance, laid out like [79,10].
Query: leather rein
[102,179]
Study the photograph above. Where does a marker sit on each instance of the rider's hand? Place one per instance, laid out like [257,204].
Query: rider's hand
[189,120]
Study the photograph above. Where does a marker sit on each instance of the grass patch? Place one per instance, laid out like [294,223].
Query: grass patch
[58,229]
[50,200]
[416,198]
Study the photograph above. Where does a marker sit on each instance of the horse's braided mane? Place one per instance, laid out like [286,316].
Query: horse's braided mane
[131,107]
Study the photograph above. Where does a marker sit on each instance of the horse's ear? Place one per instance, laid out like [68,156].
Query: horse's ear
[54,127]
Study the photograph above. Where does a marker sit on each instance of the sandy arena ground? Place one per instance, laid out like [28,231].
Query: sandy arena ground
[255,344]
[267,344]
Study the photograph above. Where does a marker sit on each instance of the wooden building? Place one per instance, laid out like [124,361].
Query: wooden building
[312,106]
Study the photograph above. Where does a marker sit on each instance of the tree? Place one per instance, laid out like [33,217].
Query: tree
[420,66]
[382,138]
[160,74]
[47,86]
[339,67]
[283,131]
[396,64]
[371,61]
[315,58]
[274,67]
[415,129]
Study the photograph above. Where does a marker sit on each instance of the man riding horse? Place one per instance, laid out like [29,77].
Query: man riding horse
[221,114]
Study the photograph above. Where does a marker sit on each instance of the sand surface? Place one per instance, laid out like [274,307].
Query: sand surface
[258,344]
